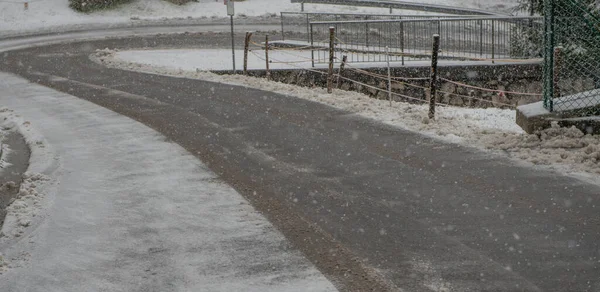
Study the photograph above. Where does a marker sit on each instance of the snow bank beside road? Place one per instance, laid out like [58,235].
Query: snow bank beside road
[492,129]
[132,212]
[28,207]
[45,14]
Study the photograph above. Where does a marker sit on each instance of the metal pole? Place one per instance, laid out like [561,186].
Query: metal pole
[549,40]
[493,40]
[389,71]
[267,56]
[434,71]
[246,47]
[308,25]
[282,28]
[480,38]
[367,34]
[312,45]
[232,43]
[331,58]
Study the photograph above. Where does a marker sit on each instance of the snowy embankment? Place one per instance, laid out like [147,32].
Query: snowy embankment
[566,150]
[43,163]
[3,151]
[221,60]
[49,14]
[109,200]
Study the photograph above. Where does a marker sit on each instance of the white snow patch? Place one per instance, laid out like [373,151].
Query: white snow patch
[221,60]
[27,208]
[432,278]
[3,264]
[42,159]
[132,211]
[4,153]
[45,14]
[564,150]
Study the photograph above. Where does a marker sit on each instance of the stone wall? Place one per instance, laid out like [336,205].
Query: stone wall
[524,78]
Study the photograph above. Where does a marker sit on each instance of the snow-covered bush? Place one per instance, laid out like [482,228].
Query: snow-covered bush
[90,5]
[181,2]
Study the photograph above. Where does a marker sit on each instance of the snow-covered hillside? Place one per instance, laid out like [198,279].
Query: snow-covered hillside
[46,14]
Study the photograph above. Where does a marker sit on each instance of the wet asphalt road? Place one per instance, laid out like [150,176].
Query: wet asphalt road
[375,208]
[17,160]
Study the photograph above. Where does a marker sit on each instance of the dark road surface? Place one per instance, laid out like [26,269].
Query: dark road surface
[12,173]
[374,207]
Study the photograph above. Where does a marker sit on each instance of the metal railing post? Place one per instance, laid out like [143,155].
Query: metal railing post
[480,38]
[389,74]
[493,39]
[308,25]
[282,27]
[312,45]
[402,41]
[367,34]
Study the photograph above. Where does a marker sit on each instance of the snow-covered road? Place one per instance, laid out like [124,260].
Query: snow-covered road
[122,209]
[491,129]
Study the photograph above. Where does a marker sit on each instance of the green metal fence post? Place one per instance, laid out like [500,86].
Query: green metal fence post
[549,54]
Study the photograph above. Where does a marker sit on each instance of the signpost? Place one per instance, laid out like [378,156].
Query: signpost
[231,13]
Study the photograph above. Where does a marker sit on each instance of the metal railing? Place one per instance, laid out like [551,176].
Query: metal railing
[294,24]
[477,38]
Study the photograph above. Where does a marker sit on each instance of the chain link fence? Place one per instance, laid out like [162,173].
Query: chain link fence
[572,57]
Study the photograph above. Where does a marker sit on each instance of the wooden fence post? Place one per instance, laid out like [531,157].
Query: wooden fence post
[331,59]
[389,72]
[267,57]
[342,67]
[246,48]
[434,71]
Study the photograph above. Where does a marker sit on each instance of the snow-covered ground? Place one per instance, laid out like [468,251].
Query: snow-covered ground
[220,59]
[3,151]
[565,150]
[109,205]
[45,14]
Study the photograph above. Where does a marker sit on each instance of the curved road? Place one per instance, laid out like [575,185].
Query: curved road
[374,208]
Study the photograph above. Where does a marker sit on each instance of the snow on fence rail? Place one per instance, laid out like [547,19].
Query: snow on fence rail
[402,5]
[294,22]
